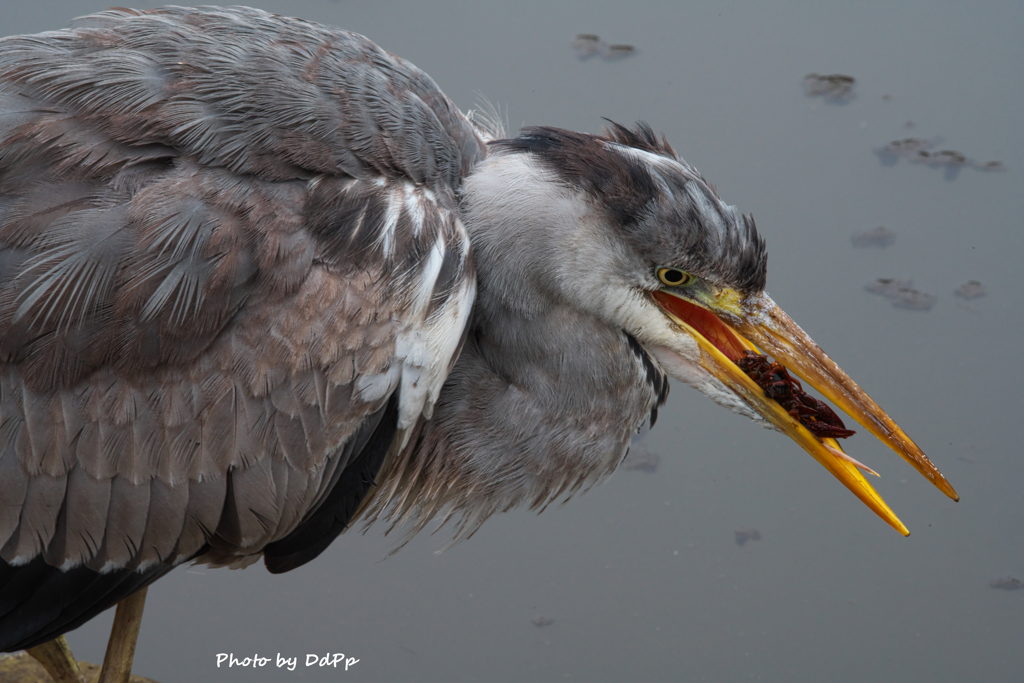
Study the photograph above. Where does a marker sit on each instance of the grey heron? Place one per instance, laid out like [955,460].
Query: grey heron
[260,279]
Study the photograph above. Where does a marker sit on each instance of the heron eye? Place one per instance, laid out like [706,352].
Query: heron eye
[674,277]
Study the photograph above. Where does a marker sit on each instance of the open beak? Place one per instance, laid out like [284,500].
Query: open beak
[728,327]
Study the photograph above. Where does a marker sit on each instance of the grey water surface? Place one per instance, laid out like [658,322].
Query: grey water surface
[643,578]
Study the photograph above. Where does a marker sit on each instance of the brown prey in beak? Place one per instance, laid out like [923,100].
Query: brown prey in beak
[727,326]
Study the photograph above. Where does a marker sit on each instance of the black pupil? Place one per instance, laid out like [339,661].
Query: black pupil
[673,276]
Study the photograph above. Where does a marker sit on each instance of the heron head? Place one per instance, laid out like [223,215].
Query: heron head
[620,226]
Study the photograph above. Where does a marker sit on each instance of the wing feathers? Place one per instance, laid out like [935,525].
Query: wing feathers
[127,514]
[253,509]
[164,523]
[15,484]
[44,499]
[226,238]
[206,500]
[82,522]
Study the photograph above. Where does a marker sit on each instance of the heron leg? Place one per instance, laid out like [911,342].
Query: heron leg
[117,662]
[56,658]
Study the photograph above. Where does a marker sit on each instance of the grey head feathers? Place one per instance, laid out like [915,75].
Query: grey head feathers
[660,204]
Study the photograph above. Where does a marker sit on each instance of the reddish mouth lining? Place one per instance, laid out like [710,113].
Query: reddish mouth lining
[773,378]
[705,322]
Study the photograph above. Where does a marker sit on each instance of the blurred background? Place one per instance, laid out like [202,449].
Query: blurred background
[738,557]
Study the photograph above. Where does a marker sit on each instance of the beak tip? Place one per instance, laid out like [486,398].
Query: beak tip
[897,524]
[943,485]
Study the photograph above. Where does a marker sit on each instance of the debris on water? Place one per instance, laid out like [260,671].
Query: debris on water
[542,621]
[905,148]
[918,151]
[901,294]
[587,45]
[617,51]
[833,87]
[949,161]
[774,379]
[887,287]
[949,156]
[913,300]
[1006,583]
[991,166]
[911,145]
[876,237]
[971,289]
[744,535]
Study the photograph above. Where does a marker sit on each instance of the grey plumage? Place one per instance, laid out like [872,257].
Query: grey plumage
[230,242]
[199,219]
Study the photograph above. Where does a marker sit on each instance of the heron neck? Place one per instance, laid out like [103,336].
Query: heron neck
[535,409]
